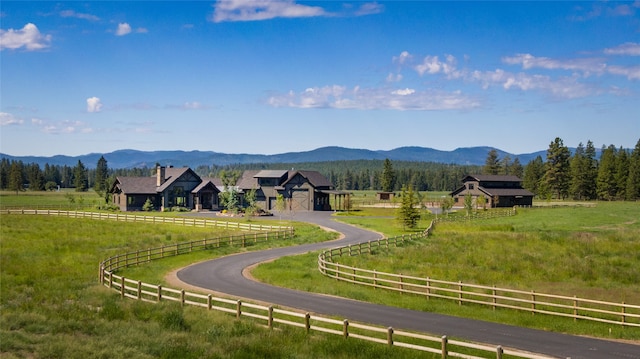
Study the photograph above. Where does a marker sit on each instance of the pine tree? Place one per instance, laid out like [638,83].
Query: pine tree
[633,180]
[515,168]
[622,173]
[590,172]
[388,176]
[579,173]
[491,164]
[102,173]
[408,214]
[5,169]
[80,180]
[606,181]
[16,177]
[35,177]
[558,170]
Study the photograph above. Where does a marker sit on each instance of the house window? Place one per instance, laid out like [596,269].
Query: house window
[178,197]
[470,185]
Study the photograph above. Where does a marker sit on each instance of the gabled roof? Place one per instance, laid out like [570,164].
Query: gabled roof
[492,178]
[248,180]
[137,185]
[271,174]
[173,174]
[207,181]
[315,178]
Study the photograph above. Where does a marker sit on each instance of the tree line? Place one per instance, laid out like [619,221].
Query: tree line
[615,175]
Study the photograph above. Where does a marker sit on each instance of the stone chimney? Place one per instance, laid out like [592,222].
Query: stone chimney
[160,175]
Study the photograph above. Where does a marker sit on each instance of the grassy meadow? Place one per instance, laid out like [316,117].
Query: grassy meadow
[52,306]
[591,252]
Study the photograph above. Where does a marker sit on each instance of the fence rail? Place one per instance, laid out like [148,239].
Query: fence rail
[194,222]
[271,316]
[530,301]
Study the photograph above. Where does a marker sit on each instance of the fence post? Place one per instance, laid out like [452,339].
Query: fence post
[307,322]
[401,285]
[623,313]
[345,328]
[575,308]
[122,287]
[533,302]
[495,299]
[499,352]
[182,297]
[270,318]
[459,292]
[375,279]
[390,336]
[159,294]
[444,347]
[238,309]
[428,288]
[139,290]
[209,302]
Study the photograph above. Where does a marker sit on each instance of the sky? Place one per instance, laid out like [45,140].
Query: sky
[268,77]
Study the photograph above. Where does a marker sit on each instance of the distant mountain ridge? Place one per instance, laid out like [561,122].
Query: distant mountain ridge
[127,158]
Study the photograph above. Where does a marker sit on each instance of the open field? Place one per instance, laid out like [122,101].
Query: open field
[52,305]
[592,252]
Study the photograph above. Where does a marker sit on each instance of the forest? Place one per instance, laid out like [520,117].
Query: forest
[581,175]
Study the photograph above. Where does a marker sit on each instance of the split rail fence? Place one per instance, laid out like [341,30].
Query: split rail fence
[537,303]
[138,290]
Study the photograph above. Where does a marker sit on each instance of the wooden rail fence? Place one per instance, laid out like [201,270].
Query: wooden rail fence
[194,222]
[537,303]
[271,316]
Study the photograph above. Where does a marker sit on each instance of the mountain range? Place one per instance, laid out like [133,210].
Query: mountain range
[134,159]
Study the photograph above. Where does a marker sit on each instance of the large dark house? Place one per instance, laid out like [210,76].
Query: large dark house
[182,187]
[499,191]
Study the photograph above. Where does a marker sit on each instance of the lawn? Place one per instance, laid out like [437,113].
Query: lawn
[52,305]
[591,252]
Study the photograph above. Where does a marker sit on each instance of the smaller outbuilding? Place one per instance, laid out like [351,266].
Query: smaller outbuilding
[498,191]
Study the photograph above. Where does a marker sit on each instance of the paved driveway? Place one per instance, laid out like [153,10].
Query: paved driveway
[225,275]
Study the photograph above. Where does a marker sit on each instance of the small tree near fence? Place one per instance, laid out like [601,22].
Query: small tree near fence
[408,214]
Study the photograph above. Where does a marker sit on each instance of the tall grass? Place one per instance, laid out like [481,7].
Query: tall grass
[588,252]
[52,306]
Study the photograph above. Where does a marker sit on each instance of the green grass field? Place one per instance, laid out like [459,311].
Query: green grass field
[52,305]
[591,252]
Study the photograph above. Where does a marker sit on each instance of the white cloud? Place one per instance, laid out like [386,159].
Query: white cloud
[432,65]
[369,9]
[123,29]
[631,72]
[94,104]
[629,48]
[404,92]
[71,13]
[404,56]
[528,61]
[7,119]
[28,37]
[394,77]
[339,97]
[253,10]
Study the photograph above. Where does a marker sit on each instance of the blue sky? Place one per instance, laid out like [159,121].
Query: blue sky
[281,76]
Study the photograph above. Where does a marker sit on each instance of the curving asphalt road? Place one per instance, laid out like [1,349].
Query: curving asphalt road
[225,275]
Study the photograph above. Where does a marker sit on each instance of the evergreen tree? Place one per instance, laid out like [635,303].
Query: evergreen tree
[80,179]
[491,164]
[102,174]
[591,171]
[5,169]
[408,214]
[388,176]
[35,177]
[606,181]
[622,173]
[558,170]
[16,177]
[581,174]
[633,180]
[515,168]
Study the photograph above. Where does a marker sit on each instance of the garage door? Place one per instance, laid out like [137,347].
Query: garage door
[300,200]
